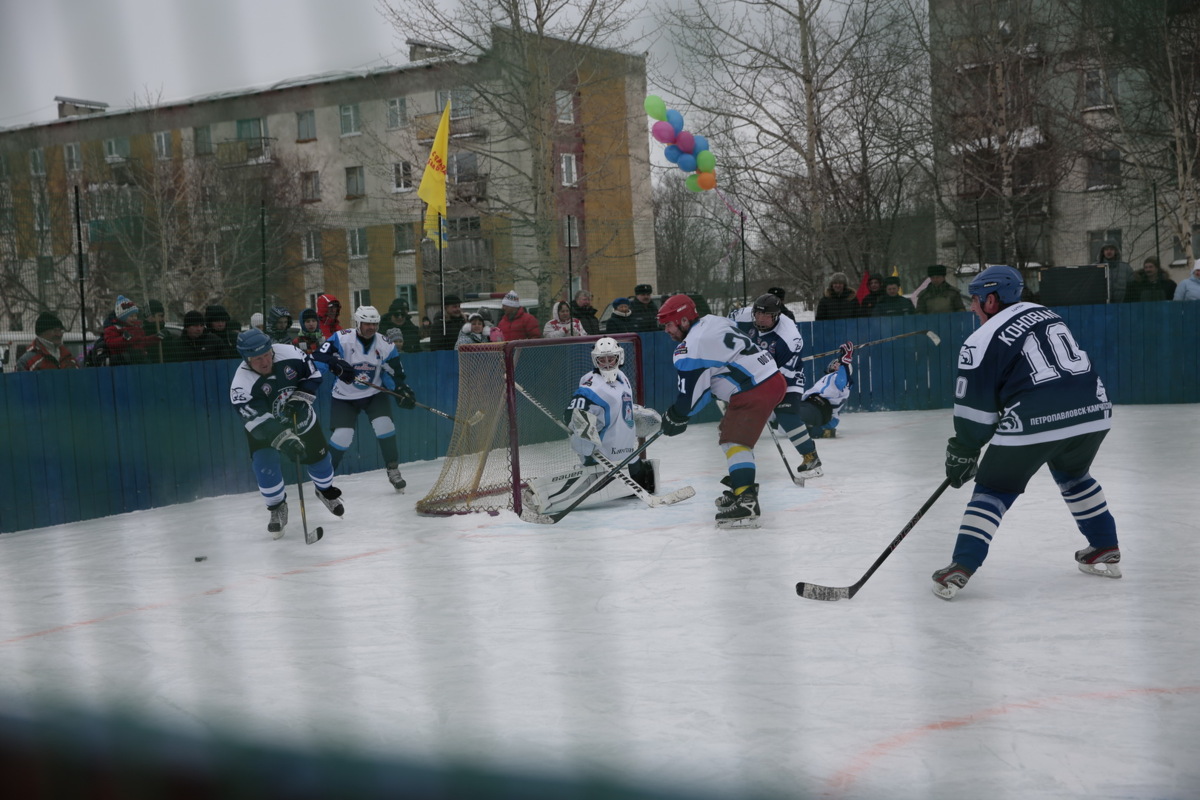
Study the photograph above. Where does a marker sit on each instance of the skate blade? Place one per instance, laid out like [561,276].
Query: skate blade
[738,524]
[946,592]
[277,534]
[1104,570]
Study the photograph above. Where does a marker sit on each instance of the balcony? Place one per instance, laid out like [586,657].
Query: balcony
[244,152]
[468,191]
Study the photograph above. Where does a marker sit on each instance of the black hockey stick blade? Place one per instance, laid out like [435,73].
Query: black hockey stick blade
[313,536]
[813,591]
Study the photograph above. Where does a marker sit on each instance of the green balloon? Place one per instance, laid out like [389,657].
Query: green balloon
[693,182]
[705,161]
[655,107]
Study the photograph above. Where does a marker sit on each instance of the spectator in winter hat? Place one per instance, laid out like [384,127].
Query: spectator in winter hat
[398,320]
[643,308]
[893,303]
[256,320]
[445,327]
[875,293]
[216,320]
[1149,285]
[782,295]
[475,331]
[197,343]
[309,338]
[47,350]
[328,310]
[621,320]
[940,297]
[1189,287]
[562,324]
[583,310]
[124,338]
[517,323]
[839,301]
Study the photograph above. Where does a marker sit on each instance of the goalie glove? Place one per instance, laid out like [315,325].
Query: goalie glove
[289,445]
[646,421]
[583,425]
[674,423]
[961,462]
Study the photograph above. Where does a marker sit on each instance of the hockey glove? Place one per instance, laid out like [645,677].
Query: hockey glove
[406,397]
[961,462]
[342,369]
[289,445]
[847,356]
[674,423]
[298,408]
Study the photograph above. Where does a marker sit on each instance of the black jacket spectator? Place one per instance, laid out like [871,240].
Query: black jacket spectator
[398,317]
[644,310]
[216,320]
[445,338]
[875,293]
[621,320]
[838,302]
[197,343]
[1150,285]
[583,310]
[893,304]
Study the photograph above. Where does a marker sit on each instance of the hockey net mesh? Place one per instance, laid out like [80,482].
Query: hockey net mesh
[500,434]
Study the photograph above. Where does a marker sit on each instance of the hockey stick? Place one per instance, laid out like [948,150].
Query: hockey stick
[652,500]
[814,591]
[795,476]
[550,519]
[309,537]
[474,419]
[933,337]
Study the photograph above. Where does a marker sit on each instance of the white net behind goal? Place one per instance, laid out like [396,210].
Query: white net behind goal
[501,439]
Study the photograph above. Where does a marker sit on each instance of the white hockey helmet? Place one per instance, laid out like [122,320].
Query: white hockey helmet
[608,357]
[368,314]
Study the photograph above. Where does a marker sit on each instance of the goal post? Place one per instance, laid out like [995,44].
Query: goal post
[501,439]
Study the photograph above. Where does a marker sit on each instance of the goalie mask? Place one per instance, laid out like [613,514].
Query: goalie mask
[608,357]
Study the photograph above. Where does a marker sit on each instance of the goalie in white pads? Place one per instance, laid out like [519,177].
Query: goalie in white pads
[603,418]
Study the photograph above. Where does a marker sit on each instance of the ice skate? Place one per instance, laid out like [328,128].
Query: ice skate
[1100,562]
[394,477]
[279,519]
[948,580]
[727,498]
[811,468]
[830,433]
[743,512]
[331,497]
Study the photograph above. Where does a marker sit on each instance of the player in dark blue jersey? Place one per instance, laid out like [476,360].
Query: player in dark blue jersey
[1026,387]
[273,391]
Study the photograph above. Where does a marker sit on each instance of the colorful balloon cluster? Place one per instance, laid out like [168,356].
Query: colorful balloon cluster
[686,150]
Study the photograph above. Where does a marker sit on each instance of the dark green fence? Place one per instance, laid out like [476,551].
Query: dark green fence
[89,443]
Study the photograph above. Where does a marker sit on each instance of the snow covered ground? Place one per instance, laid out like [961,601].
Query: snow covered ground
[649,645]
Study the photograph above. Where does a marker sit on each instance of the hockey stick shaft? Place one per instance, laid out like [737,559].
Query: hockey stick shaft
[791,473]
[399,396]
[814,591]
[315,536]
[643,495]
[607,477]
[933,337]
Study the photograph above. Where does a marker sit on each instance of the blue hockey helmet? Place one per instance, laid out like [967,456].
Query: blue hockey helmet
[1003,281]
[253,343]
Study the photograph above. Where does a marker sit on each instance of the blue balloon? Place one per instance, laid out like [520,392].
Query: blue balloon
[701,144]
[672,152]
[676,119]
[686,162]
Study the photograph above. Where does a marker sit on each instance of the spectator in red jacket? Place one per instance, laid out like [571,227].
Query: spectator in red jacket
[517,323]
[328,309]
[47,351]
[124,338]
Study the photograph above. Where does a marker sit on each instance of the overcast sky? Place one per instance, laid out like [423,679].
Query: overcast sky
[117,51]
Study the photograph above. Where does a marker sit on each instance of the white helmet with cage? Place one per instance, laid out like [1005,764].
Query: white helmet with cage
[368,314]
[608,357]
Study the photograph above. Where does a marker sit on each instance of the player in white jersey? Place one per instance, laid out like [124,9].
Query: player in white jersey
[834,388]
[603,419]
[359,356]
[715,359]
[778,335]
[273,391]
[1026,388]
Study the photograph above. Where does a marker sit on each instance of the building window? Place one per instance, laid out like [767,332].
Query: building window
[116,150]
[310,186]
[306,126]
[462,226]
[349,116]
[37,161]
[408,293]
[251,129]
[402,176]
[360,298]
[564,103]
[569,176]
[461,101]
[162,144]
[357,238]
[202,140]
[397,112]
[356,182]
[463,167]
[41,214]
[403,234]
[72,158]
[310,246]
[571,231]
[1100,88]
[1104,170]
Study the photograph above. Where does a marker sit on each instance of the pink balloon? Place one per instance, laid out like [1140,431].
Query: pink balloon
[663,132]
[685,141]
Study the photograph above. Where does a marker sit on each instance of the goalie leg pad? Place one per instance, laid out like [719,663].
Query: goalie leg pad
[551,495]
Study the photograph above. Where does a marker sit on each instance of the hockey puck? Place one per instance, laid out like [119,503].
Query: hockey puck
[201,558]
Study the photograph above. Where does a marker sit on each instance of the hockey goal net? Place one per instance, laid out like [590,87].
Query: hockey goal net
[501,439]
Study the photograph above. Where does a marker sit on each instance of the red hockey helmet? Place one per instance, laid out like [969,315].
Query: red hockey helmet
[676,308]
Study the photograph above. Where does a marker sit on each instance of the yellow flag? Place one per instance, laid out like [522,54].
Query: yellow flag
[433,182]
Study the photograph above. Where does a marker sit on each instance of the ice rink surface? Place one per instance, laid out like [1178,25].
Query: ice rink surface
[648,645]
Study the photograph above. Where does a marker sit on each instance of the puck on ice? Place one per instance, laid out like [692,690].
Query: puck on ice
[201,558]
